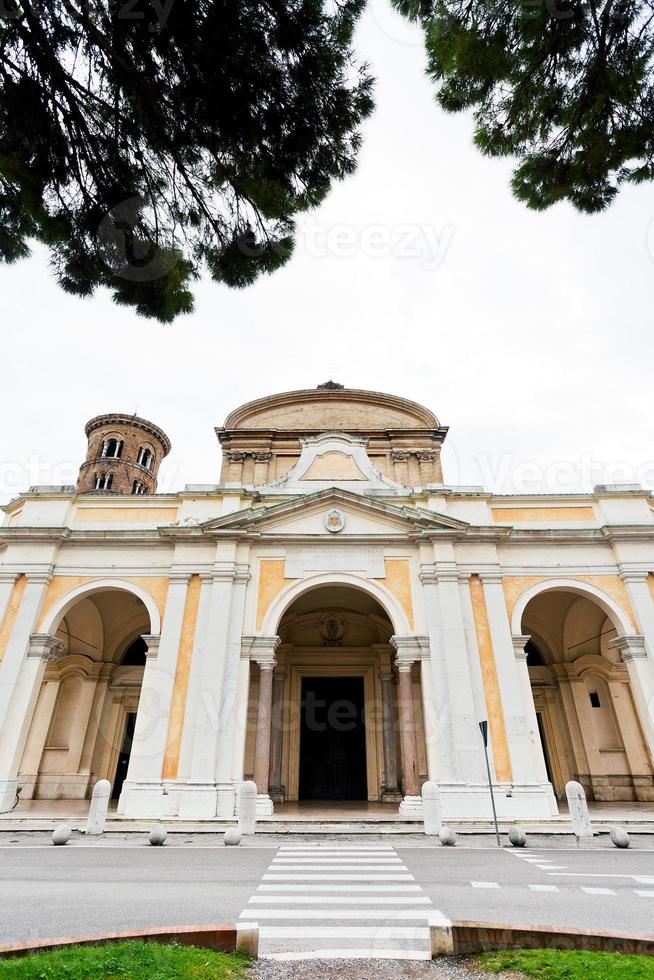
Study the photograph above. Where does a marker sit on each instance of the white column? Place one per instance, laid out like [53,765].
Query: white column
[199,795]
[641,599]
[41,650]
[18,642]
[142,793]
[7,582]
[634,654]
[513,698]
[531,797]
[226,790]
[460,725]
[241,722]
[538,756]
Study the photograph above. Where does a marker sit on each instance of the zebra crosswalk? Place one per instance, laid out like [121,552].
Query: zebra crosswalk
[319,901]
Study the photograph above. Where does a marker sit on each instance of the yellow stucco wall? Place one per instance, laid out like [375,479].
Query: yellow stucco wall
[512,514]
[182,675]
[398,581]
[515,585]
[271,583]
[11,612]
[492,694]
[61,585]
[126,515]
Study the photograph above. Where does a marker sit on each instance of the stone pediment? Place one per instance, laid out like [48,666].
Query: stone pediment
[334,513]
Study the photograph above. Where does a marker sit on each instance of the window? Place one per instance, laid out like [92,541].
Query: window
[145,457]
[138,488]
[594,699]
[103,481]
[112,448]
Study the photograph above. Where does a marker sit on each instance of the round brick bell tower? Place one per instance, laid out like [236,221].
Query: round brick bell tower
[124,455]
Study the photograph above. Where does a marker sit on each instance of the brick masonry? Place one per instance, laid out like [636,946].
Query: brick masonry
[135,433]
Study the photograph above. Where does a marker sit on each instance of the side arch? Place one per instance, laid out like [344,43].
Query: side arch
[53,617]
[618,616]
[287,597]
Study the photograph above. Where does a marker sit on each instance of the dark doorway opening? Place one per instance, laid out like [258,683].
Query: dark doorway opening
[333,739]
[546,755]
[123,758]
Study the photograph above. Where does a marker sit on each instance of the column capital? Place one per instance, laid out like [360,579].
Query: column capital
[440,571]
[410,648]
[46,647]
[261,649]
[40,576]
[152,643]
[223,571]
[491,576]
[630,647]
[519,643]
[632,574]
[10,577]
[178,577]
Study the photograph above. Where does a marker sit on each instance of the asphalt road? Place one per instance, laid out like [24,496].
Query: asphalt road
[123,883]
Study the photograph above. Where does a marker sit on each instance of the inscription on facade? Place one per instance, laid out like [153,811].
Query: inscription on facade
[335,558]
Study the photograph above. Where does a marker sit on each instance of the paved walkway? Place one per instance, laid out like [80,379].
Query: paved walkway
[319,902]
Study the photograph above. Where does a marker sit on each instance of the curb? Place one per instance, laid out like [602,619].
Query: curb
[458,938]
[227,938]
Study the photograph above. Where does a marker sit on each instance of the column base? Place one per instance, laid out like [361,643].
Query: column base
[8,788]
[225,801]
[265,806]
[391,796]
[411,806]
[513,801]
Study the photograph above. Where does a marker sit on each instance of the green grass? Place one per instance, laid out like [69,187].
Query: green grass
[552,964]
[126,961]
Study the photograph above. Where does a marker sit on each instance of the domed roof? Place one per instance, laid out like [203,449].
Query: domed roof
[331,406]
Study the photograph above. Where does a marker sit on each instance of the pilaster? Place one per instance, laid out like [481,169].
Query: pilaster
[633,650]
[41,649]
[142,792]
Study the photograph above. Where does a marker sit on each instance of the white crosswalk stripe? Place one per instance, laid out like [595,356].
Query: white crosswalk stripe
[363,916]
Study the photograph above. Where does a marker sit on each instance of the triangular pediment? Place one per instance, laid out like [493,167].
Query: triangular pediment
[314,513]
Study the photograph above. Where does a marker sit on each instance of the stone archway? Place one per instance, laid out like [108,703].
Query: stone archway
[583,688]
[88,698]
[339,686]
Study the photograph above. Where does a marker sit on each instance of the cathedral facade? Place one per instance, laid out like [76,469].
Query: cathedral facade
[332,620]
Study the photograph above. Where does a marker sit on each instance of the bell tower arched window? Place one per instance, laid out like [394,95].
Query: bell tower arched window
[145,457]
[103,481]
[112,448]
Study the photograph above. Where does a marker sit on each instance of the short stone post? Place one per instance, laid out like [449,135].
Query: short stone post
[247,939]
[581,825]
[99,806]
[431,807]
[247,808]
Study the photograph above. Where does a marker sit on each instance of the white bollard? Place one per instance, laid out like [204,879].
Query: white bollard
[247,808]
[581,825]
[247,938]
[431,808]
[99,806]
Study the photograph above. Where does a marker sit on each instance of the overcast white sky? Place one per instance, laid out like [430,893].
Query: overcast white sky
[530,335]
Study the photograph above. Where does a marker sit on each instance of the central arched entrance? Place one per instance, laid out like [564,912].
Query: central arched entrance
[334,731]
